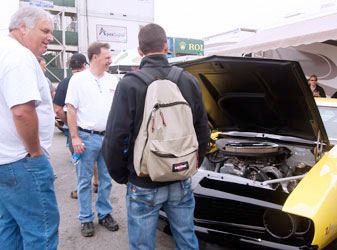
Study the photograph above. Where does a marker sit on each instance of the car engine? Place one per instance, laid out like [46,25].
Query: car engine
[261,161]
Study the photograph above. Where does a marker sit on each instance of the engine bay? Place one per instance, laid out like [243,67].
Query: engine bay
[275,165]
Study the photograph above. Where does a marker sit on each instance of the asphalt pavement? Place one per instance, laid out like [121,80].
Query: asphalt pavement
[69,230]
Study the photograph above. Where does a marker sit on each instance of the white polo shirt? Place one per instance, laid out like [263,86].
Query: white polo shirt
[21,81]
[92,97]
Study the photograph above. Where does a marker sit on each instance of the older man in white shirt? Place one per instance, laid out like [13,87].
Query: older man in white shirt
[29,216]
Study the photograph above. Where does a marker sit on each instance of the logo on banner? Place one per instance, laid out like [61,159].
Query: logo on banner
[107,33]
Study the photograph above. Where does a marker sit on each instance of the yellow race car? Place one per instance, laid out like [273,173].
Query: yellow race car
[270,177]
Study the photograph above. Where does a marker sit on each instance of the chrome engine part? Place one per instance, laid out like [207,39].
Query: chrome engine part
[257,161]
[250,148]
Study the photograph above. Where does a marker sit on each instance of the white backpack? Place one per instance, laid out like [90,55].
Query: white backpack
[166,148]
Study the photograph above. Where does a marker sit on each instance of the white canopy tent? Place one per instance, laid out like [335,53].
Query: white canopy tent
[308,31]
[125,61]
[127,57]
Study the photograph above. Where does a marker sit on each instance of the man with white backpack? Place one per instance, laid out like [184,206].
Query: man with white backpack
[156,137]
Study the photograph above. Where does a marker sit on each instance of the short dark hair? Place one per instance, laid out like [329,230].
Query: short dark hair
[77,60]
[313,76]
[152,38]
[95,49]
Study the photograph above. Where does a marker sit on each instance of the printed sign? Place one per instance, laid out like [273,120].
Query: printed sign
[42,3]
[189,46]
[106,33]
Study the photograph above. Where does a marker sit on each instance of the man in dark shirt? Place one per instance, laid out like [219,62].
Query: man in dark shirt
[145,197]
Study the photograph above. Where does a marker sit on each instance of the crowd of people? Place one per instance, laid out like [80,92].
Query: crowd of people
[104,119]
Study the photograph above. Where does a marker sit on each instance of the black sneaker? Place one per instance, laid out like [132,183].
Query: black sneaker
[109,223]
[73,194]
[87,229]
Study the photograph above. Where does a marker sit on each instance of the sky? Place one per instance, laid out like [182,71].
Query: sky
[202,18]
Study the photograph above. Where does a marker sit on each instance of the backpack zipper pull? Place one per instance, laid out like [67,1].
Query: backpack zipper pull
[152,118]
[162,117]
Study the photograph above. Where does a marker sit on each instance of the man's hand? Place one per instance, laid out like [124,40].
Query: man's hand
[78,145]
[27,126]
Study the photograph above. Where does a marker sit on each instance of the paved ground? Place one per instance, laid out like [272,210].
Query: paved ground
[70,237]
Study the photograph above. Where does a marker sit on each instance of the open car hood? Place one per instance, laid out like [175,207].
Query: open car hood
[257,95]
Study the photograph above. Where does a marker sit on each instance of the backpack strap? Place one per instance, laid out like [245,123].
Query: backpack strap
[142,75]
[174,74]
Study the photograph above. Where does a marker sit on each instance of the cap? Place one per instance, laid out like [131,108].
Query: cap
[77,60]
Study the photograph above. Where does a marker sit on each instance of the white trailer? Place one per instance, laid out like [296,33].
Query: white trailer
[113,21]
[6,11]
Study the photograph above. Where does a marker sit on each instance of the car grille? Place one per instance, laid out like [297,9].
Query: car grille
[228,211]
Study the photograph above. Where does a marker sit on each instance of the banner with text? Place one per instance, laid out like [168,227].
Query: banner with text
[189,46]
[107,33]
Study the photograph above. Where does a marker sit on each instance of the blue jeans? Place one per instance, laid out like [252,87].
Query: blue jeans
[29,217]
[85,171]
[143,205]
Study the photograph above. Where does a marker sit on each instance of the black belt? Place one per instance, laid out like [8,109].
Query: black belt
[91,131]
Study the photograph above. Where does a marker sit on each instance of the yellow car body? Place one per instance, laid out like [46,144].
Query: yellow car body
[315,197]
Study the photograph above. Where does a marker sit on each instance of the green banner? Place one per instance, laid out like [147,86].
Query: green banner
[189,46]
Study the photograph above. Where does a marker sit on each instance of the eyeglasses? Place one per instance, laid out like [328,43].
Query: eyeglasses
[312,80]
